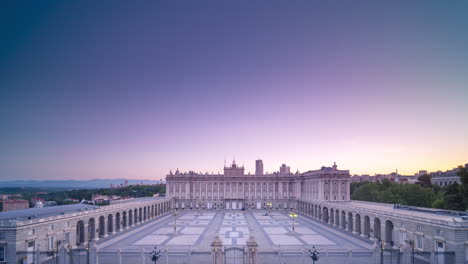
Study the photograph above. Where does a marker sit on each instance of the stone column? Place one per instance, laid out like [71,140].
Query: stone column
[356,226]
[339,198]
[105,227]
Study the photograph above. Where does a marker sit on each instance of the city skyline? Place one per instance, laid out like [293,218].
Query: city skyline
[114,91]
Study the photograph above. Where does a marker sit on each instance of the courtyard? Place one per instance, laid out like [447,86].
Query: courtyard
[187,236]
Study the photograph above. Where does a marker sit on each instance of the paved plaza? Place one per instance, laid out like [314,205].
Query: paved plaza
[195,232]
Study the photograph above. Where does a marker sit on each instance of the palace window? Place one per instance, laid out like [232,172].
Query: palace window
[51,241]
[419,242]
[402,237]
[2,235]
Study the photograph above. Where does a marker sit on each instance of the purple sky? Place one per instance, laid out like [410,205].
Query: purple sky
[108,89]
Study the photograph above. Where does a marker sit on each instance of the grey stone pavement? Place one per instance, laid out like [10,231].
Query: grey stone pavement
[195,231]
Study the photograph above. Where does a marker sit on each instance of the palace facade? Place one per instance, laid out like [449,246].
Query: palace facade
[236,190]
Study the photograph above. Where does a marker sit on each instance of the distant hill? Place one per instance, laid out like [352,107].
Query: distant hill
[73,184]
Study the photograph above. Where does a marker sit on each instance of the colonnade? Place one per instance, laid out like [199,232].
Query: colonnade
[359,223]
[108,223]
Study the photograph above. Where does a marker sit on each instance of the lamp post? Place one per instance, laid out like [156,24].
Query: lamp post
[175,226]
[313,254]
[155,254]
[217,246]
[293,215]
[252,246]
[269,207]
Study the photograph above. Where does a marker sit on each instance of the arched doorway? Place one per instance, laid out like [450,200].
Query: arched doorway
[135,216]
[343,219]
[102,226]
[92,228]
[80,233]
[140,215]
[117,222]
[358,224]
[389,232]
[337,217]
[377,234]
[124,219]
[325,214]
[332,217]
[350,222]
[110,224]
[130,217]
[366,226]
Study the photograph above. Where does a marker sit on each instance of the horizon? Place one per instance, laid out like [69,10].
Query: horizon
[109,91]
[246,172]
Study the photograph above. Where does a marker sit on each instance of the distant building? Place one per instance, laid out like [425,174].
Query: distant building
[10,205]
[421,173]
[34,200]
[237,191]
[234,170]
[446,178]
[259,167]
[284,169]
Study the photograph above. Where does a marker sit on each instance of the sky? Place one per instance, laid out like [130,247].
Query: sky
[113,89]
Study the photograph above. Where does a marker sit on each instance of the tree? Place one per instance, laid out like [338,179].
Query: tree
[440,204]
[463,188]
[366,192]
[425,180]
[454,197]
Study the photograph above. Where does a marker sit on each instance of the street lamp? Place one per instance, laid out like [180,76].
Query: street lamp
[217,246]
[269,207]
[293,215]
[252,246]
[313,254]
[174,215]
[155,254]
